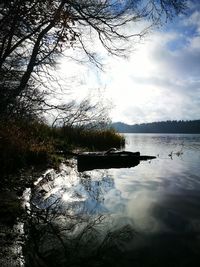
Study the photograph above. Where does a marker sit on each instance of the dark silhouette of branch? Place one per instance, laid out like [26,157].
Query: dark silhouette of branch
[33,34]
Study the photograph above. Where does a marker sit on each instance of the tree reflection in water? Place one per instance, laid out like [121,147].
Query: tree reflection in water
[68,224]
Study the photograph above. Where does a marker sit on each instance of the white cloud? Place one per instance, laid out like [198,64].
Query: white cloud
[159,81]
[193,20]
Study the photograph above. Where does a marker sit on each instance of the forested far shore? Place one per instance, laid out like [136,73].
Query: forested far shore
[190,126]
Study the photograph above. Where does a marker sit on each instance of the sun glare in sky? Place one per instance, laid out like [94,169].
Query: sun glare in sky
[159,80]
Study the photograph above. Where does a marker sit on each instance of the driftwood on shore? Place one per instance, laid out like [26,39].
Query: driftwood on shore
[111,159]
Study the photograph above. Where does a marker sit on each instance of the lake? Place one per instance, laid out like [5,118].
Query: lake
[148,215]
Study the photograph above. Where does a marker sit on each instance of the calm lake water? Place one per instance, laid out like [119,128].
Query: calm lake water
[162,194]
[151,211]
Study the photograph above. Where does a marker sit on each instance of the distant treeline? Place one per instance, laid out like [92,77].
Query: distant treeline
[192,126]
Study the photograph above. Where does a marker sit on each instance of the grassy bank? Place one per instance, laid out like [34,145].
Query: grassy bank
[91,139]
[23,144]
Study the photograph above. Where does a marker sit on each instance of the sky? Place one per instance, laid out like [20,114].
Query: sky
[159,80]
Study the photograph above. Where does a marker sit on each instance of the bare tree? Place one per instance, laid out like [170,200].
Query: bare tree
[83,114]
[33,33]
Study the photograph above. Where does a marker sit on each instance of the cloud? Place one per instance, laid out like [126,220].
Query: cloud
[160,79]
[179,62]
[166,74]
